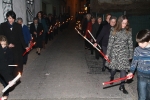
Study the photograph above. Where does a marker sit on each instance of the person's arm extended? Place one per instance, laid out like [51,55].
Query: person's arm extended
[134,64]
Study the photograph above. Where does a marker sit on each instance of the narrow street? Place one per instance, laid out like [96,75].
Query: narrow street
[65,71]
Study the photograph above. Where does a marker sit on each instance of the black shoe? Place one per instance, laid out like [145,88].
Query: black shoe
[103,69]
[122,88]
[111,79]
[39,54]
[36,52]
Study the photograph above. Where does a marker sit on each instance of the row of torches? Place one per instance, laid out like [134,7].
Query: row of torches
[58,24]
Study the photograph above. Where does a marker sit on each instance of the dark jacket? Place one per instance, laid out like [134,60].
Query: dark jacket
[104,23]
[14,36]
[100,26]
[104,35]
[95,27]
[37,38]
[6,58]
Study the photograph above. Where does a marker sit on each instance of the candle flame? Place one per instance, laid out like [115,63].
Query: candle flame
[12,65]
[19,74]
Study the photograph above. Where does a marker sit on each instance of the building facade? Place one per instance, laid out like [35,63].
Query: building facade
[25,9]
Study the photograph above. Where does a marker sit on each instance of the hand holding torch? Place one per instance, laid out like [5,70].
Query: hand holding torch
[11,83]
[93,46]
[29,48]
[118,79]
[94,38]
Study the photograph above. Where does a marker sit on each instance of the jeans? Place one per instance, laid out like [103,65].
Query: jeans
[143,87]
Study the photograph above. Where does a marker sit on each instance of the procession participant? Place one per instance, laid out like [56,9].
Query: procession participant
[120,49]
[99,27]
[141,62]
[45,29]
[27,37]
[51,23]
[107,19]
[104,37]
[14,35]
[84,28]
[36,29]
[6,58]
[93,20]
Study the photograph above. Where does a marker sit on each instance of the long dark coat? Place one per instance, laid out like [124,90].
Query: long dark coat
[37,38]
[6,58]
[15,36]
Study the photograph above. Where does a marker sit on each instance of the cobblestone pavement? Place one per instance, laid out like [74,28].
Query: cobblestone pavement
[65,71]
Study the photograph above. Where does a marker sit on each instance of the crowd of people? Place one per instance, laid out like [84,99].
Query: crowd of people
[16,38]
[113,35]
[114,38]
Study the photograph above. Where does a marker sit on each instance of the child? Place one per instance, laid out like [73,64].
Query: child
[6,59]
[141,62]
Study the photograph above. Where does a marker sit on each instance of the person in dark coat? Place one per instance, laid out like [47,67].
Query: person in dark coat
[107,19]
[6,58]
[92,30]
[27,37]
[104,37]
[45,28]
[98,28]
[36,29]
[85,23]
[14,35]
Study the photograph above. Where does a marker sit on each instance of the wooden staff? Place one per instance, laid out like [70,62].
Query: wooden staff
[93,46]
[94,39]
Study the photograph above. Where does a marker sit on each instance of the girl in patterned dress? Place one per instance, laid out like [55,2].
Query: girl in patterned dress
[120,49]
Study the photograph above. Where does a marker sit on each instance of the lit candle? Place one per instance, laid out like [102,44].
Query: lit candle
[13,81]
[13,65]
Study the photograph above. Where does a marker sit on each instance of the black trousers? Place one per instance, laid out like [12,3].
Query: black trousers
[25,57]
[122,74]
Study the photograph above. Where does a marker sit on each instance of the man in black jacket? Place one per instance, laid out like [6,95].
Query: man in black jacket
[104,37]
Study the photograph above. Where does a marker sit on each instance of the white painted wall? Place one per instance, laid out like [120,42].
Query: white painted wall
[1,12]
[19,7]
[38,6]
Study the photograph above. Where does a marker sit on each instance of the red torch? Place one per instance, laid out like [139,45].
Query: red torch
[116,80]
[31,45]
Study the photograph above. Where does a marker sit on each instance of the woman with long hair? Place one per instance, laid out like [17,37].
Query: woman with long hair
[45,28]
[120,49]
